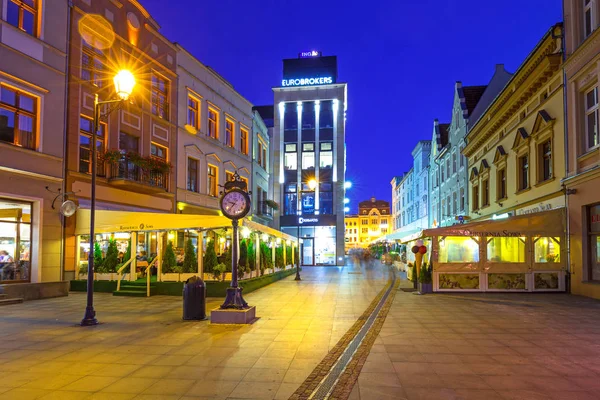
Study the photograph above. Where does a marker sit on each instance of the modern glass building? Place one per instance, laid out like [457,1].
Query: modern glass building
[309,156]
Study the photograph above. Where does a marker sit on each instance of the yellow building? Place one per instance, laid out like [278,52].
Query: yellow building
[515,153]
[351,233]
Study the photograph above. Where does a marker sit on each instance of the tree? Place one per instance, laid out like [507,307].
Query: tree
[227,258]
[279,263]
[288,255]
[243,262]
[98,259]
[127,255]
[169,262]
[112,257]
[251,255]
[265,257]
[190,261]
[210,257]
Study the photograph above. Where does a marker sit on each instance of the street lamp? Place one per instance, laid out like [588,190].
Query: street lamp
[124,83]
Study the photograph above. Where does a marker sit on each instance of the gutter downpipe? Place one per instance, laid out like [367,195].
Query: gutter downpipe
[566,150]
[65,132]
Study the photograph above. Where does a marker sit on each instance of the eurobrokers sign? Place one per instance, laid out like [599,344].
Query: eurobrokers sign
[324,80]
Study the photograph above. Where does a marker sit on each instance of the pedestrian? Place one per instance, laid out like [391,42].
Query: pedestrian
[5,257]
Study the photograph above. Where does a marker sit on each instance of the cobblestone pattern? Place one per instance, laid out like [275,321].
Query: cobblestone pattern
[348,379]
[320,372]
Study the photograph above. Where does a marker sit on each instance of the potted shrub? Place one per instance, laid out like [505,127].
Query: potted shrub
[98,260]
[190,262]
[170,271]
[111,157]
[227,262]
[279,262]
[243,260]
[251,256]
[425,279]
[109,265]
[218,272]
[288,256]
[413,273]
[210,259]
[273,204]
[266,259]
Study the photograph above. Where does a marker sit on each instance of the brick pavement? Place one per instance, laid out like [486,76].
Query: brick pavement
[485,346]
[143,350]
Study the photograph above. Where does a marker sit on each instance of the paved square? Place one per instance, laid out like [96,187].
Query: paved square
[142,349]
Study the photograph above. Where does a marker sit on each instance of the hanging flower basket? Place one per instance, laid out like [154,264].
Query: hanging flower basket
[111,157]
[273,204]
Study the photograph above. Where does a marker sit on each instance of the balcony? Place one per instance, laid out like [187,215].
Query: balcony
[265,209]
[141,174]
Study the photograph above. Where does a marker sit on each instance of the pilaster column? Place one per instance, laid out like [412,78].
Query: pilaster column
[201,238]
[134,243]
[299,157]
[317,156]
[257,252]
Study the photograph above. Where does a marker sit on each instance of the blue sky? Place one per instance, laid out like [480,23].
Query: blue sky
[400,59]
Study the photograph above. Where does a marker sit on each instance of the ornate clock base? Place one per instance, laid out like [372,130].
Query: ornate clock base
[234,299]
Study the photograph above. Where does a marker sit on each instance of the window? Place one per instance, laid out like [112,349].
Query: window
[23,15]
[442,173]
[212,181]
[591,118]
[545,160]
[373,221]
[85,148]
[448,167]
[594,242]
[129,143]
[326,198]
[454,162]
[365,230]
[192,175]
[244,141]
[458,249]
[160,96]
[291,156]
[213,123]
[501,181]
[462,199]
[448,214]
[291,199]
[546,249]
[228,176]
[475,206]
[308,155]
[365,222]
[589,20]
[454,203]
[506,249]
[15,229]
[523,172]
[384,221]
[326,155]
[229,132]
[461,157]
[486,193]
[158,152]
[92,64]
[18,118]
[193,112]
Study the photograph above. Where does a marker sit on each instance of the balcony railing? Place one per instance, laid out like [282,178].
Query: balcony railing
[264,209]
[125,169]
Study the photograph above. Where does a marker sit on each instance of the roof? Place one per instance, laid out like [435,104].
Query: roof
[472,96]
[374,204]
[444,134]
[267,113]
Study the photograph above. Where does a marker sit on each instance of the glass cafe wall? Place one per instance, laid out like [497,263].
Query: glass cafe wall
[507,261]
[15,241]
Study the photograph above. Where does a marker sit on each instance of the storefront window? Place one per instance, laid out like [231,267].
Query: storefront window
[15,240]
[594,242]
[458,249]
[546,250]
[324,244]
[506,249]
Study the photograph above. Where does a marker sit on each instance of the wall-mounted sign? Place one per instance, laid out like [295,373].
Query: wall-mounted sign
[324,80]
[557,202]
[503,233]
[309,54]
[302,220]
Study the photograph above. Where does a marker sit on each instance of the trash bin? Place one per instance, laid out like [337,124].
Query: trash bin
[194,299]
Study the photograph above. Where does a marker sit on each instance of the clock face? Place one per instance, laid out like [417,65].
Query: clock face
[235,204]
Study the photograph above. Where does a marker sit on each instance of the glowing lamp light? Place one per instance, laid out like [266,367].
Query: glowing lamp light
[312,184]
[222,240]
[346,209]
[124,83]
[347,185]
[265,237]
[288,242]
[245,233]
[346,200]
[171,236]
[278,240]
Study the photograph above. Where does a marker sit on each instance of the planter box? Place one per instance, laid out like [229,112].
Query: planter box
[186,276]
[105,276]
[170,277]
[426,288]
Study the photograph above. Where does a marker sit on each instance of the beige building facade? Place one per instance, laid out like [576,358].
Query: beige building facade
[582,72]
[33,60]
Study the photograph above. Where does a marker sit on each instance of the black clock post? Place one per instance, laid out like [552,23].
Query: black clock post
[235,204]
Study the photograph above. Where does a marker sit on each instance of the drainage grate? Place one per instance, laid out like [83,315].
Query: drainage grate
[328,383]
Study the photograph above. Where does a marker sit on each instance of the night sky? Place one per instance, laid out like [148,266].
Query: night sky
[400,59]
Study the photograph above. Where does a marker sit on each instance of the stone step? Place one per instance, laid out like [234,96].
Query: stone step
[131,293]
[6,302]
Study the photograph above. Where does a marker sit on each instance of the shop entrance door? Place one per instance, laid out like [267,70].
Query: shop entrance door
[308,251]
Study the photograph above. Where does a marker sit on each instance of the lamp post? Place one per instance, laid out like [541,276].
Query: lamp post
[124,83]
